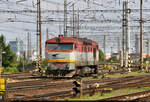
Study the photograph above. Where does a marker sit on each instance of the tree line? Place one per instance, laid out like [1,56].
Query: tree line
[9,58]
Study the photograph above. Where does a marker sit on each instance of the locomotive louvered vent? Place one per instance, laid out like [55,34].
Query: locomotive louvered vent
[87,42]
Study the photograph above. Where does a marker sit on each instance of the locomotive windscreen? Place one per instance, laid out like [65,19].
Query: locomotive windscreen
[60,46]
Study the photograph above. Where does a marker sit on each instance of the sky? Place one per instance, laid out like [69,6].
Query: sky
[17,25]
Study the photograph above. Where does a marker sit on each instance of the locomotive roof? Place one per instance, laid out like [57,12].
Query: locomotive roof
[73,39]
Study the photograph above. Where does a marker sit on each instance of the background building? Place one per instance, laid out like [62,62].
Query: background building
[17,47]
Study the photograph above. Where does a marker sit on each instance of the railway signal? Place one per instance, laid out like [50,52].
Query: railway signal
[129,61]
[76,89]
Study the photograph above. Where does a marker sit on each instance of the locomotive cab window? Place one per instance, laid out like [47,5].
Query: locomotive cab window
[60,46]
[51,46]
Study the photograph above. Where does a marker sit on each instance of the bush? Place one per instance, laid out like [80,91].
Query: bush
[101,56]
[10,70]
[113,59]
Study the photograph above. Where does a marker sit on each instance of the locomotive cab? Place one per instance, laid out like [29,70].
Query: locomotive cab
[60,57]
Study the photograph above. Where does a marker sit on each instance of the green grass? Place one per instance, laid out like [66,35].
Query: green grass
[126,74]
[107,95]
[117,75]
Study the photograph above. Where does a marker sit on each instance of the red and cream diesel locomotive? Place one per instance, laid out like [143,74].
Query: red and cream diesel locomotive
[65,55]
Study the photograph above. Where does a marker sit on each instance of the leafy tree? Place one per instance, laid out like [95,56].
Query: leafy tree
[22,63]
[147,59]
[101,56]
[8,58]
[113,59]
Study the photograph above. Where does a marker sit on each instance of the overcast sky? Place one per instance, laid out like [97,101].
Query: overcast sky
[26,22]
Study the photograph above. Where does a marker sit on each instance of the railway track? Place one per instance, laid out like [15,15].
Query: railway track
[47,83]
[17,75]
[139,96]
[25,75]
[63,87]
[113,83]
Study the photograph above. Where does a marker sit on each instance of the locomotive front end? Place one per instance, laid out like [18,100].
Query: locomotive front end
[60,58]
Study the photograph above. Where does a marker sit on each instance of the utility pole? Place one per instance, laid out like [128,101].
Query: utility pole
[78,24]
[118,44]
[65,17]
[0,56]
[137,44]
[39,30]
[141,34]
[125,35]
[123,32]
[23,61]
[59,28]
[73,22]
[47,37]
[104,48]
[121,58]
[148,47]
[71,25]
[28,48]
[18,50]
[111,51]
[128,23]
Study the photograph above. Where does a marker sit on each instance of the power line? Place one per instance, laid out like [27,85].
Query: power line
[9,2]
[80,11]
